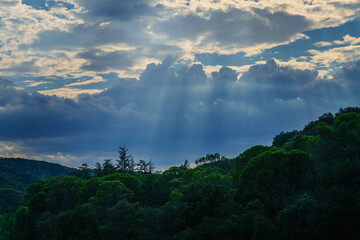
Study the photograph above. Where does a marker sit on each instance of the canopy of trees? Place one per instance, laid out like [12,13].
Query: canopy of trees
[305,186]
[17,174]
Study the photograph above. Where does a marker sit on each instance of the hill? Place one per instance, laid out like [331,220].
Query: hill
[18,179]
[305,186]
[40,169]
[17,174]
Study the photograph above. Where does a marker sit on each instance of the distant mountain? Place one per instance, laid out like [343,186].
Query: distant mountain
[39,169]
[17,174]
[18,179]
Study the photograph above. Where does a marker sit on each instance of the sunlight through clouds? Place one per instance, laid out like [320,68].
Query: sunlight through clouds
[169,75]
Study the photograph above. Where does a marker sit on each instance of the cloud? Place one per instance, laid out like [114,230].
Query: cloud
[337,55]
[322,44]
[272,74]
[124,10]
[4,83]
[68,92]
[350,73]
[90,35]
[168,107]
[235,27]
[86,48]
[75,39]
[32,83]
[321,13]
[225,73]
[8,3]
[100,61]
[22,67]
[97,79]
[171,110]
[347,39]
[47,4]
[25,116]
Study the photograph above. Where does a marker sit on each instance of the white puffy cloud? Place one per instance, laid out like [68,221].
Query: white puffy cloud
[347,39]
[335,55]
[124,36]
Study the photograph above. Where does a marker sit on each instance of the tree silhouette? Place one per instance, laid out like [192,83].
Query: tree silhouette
[150,166]
[108,167]
[98,169]
[125,161]
[146,167]
[85,171]
[142,166]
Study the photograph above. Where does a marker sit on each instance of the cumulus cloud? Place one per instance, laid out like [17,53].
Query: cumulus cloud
[273,74]
[236,27]
[35,115]
[68,38]
[347,39]
[350,73]
[173,110]
[71,50]
[337,55]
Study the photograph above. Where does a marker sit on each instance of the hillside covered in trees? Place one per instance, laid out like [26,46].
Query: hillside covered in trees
[17,174]
[305,186]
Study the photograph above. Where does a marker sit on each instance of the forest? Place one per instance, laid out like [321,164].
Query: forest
[305,186]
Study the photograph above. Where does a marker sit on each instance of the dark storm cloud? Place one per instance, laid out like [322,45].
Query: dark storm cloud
[25,115]
[225,73]
[350,73]
[270,80]
[236,26]
[192,75]
[101,61]
[173,111]
[273,74]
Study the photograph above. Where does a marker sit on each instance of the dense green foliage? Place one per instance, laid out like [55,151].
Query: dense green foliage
[305,186]
[15,178]
[17,174]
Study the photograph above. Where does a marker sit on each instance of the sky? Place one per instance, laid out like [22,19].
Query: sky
[171,79]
